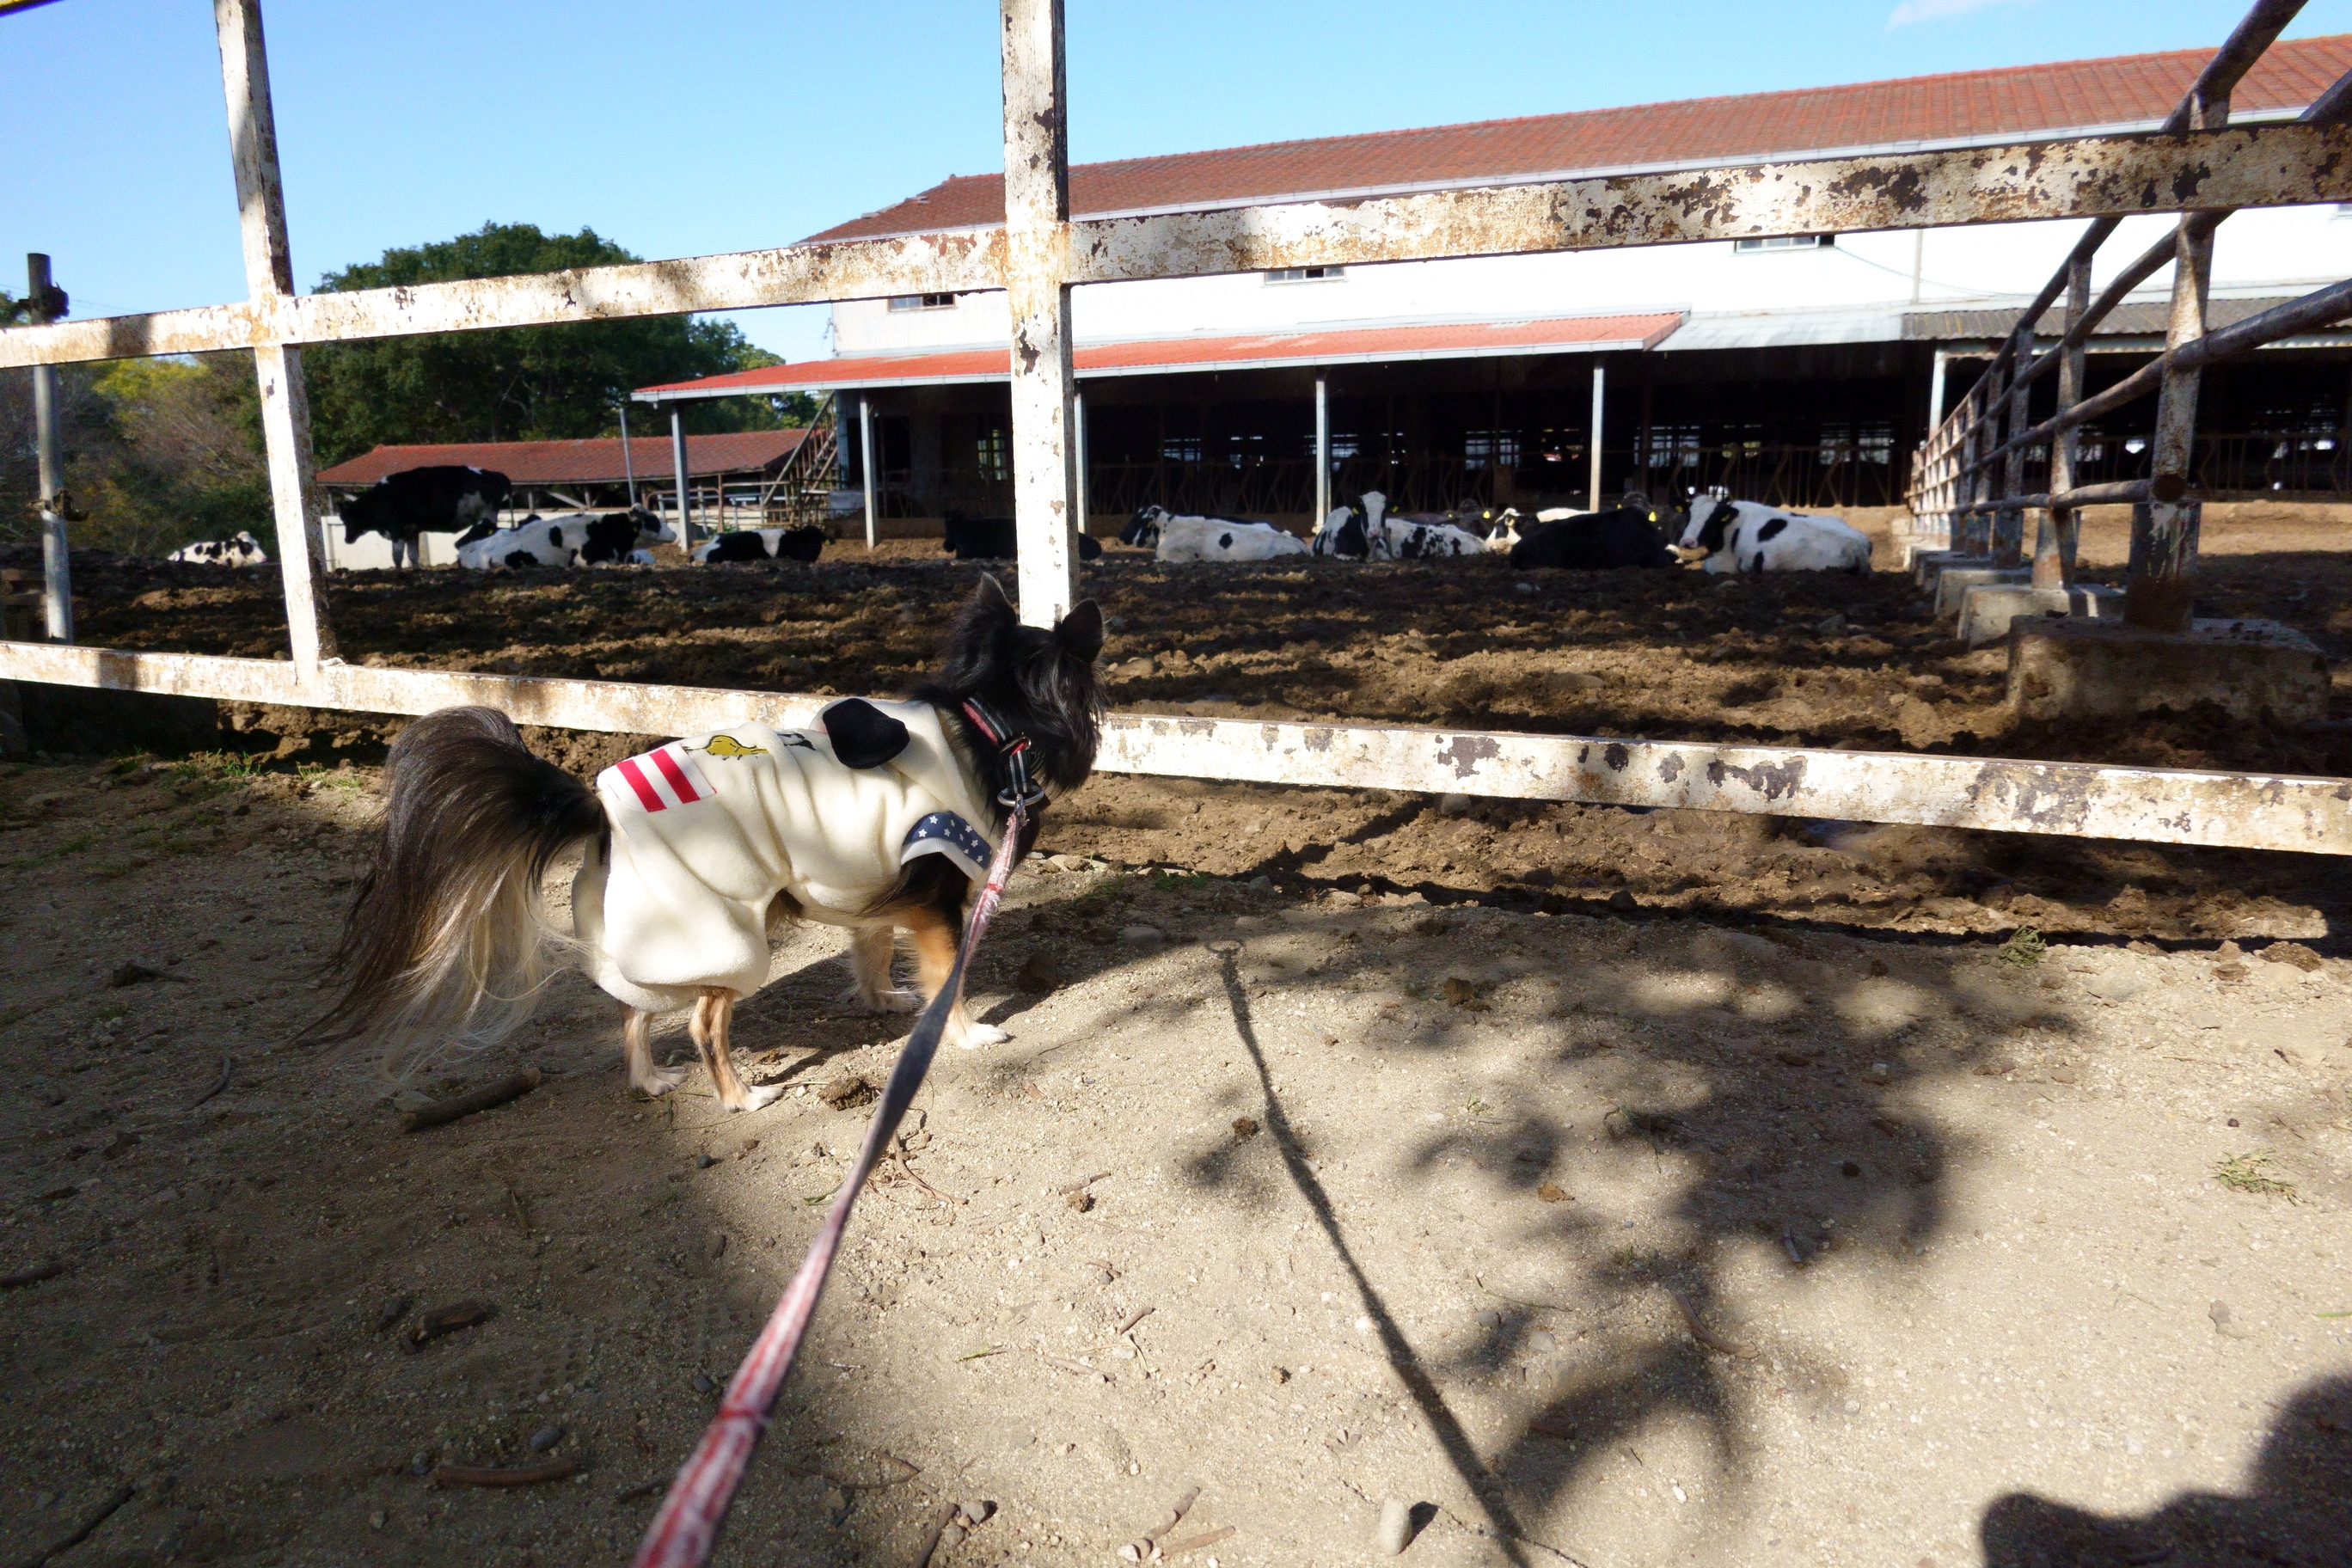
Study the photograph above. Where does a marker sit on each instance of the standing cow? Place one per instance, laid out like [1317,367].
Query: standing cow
[442,499]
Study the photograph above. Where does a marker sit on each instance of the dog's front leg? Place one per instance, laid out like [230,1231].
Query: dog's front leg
[870,950]
[713,1010]
[638,1049]
[934,956]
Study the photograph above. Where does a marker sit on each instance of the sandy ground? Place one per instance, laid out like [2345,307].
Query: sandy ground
[1393,1201]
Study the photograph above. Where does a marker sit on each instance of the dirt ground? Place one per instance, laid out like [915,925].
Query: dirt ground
[1388,1201]
[1809,659]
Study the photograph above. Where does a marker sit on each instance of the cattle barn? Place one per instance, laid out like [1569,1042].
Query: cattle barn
[1802,370]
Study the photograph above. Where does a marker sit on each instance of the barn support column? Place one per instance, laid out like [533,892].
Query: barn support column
[684,485]
[1599,381]
[865,465]
[1037,289]
[1936,390]
[628,468]
[268,277]
[57,568]
[1078,437]
[1322,449]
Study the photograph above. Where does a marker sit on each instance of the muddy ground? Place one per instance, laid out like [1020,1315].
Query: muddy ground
[1808,660]
[2020,1256]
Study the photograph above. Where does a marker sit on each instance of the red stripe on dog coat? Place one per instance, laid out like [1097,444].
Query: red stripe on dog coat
[647,796]
[677,776]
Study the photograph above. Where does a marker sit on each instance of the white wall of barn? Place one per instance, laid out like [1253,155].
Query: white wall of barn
[2281,250]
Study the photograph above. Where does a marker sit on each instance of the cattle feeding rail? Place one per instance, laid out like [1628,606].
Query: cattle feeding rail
[1968,485]
[2197,166]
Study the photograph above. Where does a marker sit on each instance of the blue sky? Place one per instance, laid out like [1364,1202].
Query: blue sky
[694,126]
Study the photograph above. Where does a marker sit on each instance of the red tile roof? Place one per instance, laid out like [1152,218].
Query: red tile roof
[577,462]
[2019,102]
[1444,340]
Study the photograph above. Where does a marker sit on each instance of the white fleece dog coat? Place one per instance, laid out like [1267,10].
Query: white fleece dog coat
[705,832]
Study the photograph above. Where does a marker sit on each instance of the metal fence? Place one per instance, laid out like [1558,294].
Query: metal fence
[1040,253]
[1971,485]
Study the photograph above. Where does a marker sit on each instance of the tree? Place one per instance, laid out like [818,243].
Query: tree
[515,384]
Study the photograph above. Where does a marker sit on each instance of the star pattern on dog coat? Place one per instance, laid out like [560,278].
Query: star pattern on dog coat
[945,833]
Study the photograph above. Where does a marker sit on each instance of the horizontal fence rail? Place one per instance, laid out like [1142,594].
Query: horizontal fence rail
[2077,799]
[2249,167]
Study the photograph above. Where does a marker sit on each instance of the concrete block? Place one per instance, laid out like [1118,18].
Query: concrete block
[2081,668]
[1924,564]
[1987,609]
[1953,583]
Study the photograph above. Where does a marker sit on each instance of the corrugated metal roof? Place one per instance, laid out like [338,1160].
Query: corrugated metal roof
[1163,356]
[2019,102]
[2132,319]
[577,462]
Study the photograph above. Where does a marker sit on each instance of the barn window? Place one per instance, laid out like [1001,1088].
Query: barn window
[922,301]
[1497,447]
[1782,242]
[1306,274]
[1179,448]
[993,455]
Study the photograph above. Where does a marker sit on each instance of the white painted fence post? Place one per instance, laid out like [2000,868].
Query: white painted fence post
[1037,268]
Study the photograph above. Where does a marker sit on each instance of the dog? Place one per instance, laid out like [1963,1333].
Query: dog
[881,819]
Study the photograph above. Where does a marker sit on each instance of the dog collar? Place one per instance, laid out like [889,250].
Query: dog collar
[1015,749]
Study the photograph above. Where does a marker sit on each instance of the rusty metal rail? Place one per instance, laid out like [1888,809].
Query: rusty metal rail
[2195,165]
[2079,799]
[1968,482]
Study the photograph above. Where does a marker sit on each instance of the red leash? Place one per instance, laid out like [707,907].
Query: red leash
[687,1528]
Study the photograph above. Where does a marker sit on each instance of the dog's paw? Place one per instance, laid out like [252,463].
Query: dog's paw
[895,1001]
[757,1096]
[978,1034]
[660,1082]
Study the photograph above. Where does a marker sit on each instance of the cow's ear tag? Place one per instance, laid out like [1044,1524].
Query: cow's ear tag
[863,736]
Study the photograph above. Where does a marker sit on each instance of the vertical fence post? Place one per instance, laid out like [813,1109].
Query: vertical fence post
[2160,589]
[1037,268]
[1323,448]
[677,466]
[868,484]
[1078,463]
[628,468]
[269,271]
[57,567]
[1599,383]
[2055,538]
[2008,523]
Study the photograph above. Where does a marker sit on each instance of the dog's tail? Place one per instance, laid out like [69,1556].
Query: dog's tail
[445,944]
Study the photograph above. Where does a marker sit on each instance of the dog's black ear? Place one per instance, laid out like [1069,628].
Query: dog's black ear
[1080,632]
[988,599]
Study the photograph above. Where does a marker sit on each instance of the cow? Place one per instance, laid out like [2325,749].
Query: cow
[436,500]
[1593,542]
[569,538]
[1748,536]
[240,550]
[1370,535]
[803,545]
[1173,538]
[996,539]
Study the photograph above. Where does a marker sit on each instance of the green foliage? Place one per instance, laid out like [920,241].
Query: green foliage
[2025,949]
[517,384]
[2245,1173]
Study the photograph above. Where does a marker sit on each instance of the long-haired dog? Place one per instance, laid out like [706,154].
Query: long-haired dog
[881,819]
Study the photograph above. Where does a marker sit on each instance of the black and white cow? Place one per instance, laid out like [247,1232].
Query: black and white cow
[996,539]
[569,538]
[1748,536]
[242,549]
[1365,532]
[1593,542]
[803,544]
[436,500]
[1173,538]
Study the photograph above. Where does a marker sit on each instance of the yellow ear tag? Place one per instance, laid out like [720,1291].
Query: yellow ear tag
[728,746]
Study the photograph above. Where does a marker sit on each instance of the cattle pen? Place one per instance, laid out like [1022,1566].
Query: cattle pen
[2198,166]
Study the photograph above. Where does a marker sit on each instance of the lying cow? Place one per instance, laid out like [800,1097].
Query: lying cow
[1593,542]
[803,544]
[242,549]
[1748,536]
[996,539]
[1173,538]
[1365,532]
[569,538]
[436,500]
